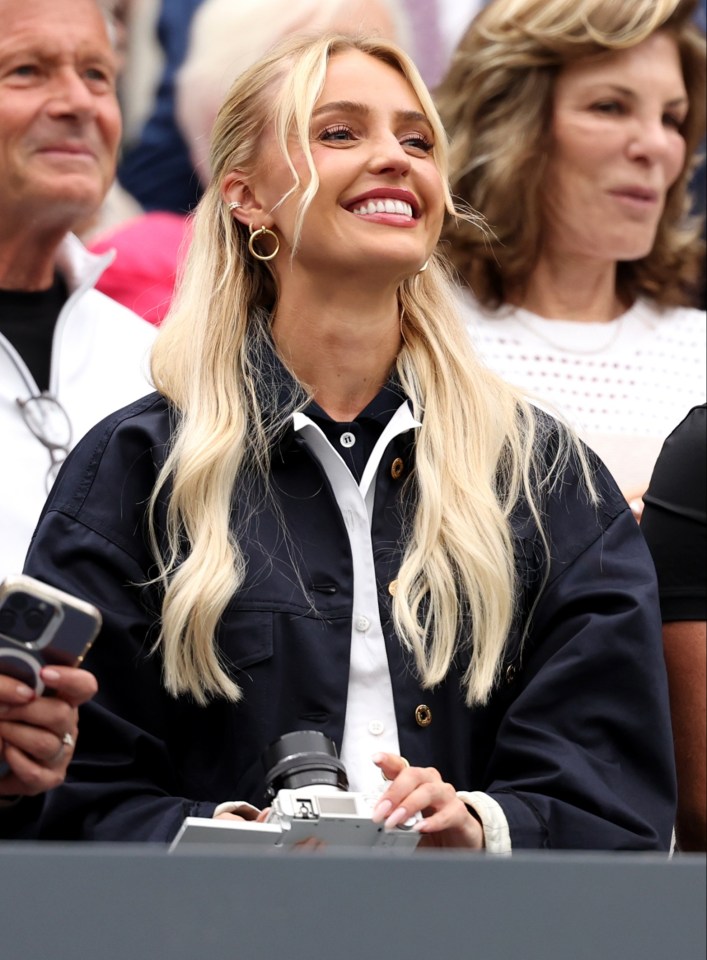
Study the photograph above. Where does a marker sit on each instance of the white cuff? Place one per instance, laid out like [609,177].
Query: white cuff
[239,807]
[497,836]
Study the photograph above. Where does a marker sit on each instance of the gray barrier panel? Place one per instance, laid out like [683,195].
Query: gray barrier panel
[130,902]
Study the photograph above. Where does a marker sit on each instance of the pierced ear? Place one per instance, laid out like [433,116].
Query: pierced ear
[239,197]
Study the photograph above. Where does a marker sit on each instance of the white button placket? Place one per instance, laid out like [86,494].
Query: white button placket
[370,724]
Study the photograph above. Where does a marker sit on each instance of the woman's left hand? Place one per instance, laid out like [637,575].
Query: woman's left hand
[447,820]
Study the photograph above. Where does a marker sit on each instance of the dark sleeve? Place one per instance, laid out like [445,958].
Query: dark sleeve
[583,758]
[126,781]
[674,520]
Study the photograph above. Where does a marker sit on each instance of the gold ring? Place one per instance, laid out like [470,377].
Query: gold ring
[406,763]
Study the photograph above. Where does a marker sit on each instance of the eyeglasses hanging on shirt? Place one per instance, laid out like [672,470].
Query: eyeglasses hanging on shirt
[50,424]
[45,418]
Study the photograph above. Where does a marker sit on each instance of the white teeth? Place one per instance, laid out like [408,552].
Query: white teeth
[384,206]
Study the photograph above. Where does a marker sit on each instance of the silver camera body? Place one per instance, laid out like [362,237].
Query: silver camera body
[307,789]
[335,817]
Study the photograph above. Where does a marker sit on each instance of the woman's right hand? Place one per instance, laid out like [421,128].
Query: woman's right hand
[38,734]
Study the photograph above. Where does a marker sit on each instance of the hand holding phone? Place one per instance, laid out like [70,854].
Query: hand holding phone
[41,626]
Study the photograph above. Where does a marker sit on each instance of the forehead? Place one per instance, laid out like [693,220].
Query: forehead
[53,25]
[651,64]
[354,75]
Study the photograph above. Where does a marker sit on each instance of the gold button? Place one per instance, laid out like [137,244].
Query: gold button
[396,468]
[393,587]
[423,715]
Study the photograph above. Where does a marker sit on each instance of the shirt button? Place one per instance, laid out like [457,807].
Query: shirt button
[376,728]
[362,624]
[347,439]
[423,715]
[397,468]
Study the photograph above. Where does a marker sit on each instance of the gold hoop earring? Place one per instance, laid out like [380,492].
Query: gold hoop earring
[258,235]
[424,266]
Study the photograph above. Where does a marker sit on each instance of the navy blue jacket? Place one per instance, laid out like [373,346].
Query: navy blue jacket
[574,743]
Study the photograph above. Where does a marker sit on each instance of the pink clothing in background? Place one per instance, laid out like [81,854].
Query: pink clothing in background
[149,250]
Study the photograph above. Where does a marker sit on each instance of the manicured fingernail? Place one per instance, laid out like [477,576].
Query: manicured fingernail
[49,673]
[381,811]
[25,692]
[398,816]
[378,757]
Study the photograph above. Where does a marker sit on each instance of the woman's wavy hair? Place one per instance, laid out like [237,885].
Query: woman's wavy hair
[496,103]
[476,448]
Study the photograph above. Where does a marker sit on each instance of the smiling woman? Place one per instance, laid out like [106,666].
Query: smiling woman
[358,160]
[332,517]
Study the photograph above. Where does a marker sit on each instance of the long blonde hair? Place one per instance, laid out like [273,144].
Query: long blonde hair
[496,104]
[476,449]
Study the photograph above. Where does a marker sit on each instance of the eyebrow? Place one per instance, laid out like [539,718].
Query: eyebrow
[351,106]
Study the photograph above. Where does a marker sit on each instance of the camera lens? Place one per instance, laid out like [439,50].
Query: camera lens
[24,618]
[35,620]
[301,759]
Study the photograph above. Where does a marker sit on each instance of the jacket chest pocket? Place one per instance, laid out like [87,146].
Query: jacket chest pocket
[245,637]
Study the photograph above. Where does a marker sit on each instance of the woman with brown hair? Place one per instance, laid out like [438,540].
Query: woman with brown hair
[573,127]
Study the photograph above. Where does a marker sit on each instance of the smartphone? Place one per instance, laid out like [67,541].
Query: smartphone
[39,626]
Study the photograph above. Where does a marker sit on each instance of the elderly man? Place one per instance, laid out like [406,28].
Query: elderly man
[68,354]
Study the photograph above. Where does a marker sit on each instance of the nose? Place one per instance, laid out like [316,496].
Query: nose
[70,96]
[389,156]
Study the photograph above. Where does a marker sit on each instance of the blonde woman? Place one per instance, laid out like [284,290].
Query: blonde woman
[573,128]
[331,517]
[225,38]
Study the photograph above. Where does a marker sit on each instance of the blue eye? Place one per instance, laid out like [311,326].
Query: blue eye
[339,132]
[418,142]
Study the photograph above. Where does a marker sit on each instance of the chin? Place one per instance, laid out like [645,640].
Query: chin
[81,202]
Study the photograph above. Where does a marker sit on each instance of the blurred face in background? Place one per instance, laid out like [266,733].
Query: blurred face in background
[616,149]
[227,37]
[59,117]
